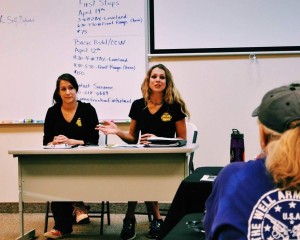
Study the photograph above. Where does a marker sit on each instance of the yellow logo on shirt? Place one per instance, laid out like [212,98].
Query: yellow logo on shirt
[78,122]
[166,117]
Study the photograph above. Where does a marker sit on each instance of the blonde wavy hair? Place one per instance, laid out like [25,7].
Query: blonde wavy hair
[171,94]
[283,156]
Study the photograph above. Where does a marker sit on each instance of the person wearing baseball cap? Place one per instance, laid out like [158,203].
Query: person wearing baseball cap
[260,199]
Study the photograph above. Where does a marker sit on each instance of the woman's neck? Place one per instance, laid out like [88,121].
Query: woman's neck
[69,106]
[156,99]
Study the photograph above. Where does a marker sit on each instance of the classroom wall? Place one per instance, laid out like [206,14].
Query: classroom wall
[221,93]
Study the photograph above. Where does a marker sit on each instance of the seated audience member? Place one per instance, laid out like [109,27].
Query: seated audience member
[259,199]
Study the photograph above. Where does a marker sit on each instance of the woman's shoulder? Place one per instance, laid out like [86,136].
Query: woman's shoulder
[175,106]
[239,172]
[231,169]
[139,102]
[85,105]
[236,167]
[54,108]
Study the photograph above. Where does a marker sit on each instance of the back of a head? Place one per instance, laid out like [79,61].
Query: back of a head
[279,107]
[279,111]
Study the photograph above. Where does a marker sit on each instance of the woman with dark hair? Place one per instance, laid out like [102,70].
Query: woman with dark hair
[70,122]
[161,112]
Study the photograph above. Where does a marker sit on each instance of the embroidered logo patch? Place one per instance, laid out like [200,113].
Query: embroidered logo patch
[78,122]
[166,117]
[276,215]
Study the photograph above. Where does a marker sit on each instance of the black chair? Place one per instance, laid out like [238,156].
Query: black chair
[92,214]
[190,197]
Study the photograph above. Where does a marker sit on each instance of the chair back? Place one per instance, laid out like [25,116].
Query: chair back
[192,135]
[102,139]
[192,132]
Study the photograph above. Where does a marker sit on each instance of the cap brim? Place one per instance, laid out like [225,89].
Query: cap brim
[255,112]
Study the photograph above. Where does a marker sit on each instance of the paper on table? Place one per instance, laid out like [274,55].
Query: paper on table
[125,146]
[208,178]
[177,144]
[58,146]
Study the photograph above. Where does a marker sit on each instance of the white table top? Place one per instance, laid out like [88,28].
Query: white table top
[102,150]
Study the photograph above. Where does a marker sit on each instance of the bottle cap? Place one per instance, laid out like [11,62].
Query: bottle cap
[236,134]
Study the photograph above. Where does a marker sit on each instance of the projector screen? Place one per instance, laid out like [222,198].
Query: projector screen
[224,26]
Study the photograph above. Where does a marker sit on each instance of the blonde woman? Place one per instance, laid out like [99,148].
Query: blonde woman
[260,199]
[162,113]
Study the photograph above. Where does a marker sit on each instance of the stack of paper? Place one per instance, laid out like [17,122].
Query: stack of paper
[165,142]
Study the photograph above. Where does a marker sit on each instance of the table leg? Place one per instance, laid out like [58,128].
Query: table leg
[31,233]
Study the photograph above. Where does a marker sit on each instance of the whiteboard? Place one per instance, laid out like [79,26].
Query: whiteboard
[224,26]
[101,42]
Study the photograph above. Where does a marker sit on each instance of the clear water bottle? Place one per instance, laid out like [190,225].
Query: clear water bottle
[237,147]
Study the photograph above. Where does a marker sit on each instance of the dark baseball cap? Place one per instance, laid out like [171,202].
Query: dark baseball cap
[279,107]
